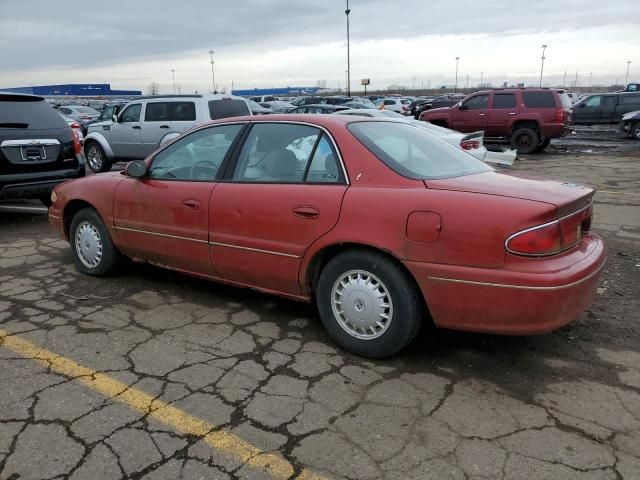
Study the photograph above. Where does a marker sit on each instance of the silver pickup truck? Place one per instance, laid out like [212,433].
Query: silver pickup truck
[144,124]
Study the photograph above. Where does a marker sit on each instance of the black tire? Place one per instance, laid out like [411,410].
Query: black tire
[401,292]
[96,158]
[110,259]
[635,131]
[525,140]
[544,144]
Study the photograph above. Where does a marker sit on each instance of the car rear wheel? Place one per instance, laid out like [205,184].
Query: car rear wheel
[93,251]
[369,304]
[525,140]
[96,158]
[635,131]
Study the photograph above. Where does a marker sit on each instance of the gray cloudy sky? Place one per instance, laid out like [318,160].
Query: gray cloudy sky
[260,43]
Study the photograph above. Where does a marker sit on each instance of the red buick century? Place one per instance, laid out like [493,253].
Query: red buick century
[381,224]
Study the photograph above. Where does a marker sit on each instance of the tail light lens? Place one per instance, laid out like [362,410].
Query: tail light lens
[553,237]
[77,146]
[559,115]
[470,144]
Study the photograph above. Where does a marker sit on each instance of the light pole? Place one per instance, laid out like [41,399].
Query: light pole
[455,87]
[564,80]
[347,12]
[544,47]
[481,75]
[346,77]
[590,74]
[213,76]
[173,78]
[626,79]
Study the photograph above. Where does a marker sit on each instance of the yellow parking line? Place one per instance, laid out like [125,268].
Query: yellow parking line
[272,463]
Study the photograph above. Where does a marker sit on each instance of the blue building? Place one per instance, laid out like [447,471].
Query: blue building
[253,92]
[74,90]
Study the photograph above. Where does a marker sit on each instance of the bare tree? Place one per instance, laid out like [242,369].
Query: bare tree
[153,88]
[321,84]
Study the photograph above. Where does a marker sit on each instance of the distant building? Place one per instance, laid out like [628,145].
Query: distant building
[74,90]
[254,92]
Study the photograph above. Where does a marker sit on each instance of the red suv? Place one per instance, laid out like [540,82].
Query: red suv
[528,118]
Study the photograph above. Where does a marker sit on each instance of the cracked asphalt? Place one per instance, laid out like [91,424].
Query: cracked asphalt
[156,375]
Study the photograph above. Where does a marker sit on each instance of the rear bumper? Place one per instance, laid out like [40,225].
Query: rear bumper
[35,185]
[541,297]
[555,130]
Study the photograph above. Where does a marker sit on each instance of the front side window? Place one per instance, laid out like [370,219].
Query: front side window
[107,113]
[131,113]
[156,112]
[479,102]
[504,100]
[413,152]
[286,153]
[593,101]
[197,156]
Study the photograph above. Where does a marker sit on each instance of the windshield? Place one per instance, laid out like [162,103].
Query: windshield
[413,152]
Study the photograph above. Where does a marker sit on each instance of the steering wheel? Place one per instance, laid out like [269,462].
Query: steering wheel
[207,170]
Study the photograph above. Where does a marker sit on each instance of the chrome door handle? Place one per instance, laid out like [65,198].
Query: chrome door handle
[512,113]
[136,127]
[481,114]
[191,203]
[164,126]
[306,211]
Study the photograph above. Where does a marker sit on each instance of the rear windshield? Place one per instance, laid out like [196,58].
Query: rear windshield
[29,114]
[414,152]
[565,100]
[539,99]
[228,107]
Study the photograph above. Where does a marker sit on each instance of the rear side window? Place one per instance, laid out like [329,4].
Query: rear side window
[182,111]
[539,99]
[630,98]
[504,100]
[229,107]
[389,102]
[565,100]
[32,114]
[413,152]
[156,112]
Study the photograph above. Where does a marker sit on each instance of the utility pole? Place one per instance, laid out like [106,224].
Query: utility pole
[173,78]
[575,84]
[626,79]
[347,12]
[481,75]
[413,85]
[590,74]
[455,87]
[564,80]
[467,81]
[213,76]
[544,47]
[346,76]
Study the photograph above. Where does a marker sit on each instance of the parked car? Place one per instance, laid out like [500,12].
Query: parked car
[263,98]
[605,107]
[319,109]
[142,125]
[630,124]
[400,105]
[75,126]
[301,101]
[381,224]
[38,149]
[527,118]
[258,109]
[471,143]
[83,115]
[279,106]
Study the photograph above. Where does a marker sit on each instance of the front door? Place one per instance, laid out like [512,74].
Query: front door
[588,111]
[285,192]
[126,138]
[164,217]
[503,111]
[472,114]
[156,124]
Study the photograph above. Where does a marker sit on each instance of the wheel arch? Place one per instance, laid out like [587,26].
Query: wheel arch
[525,123]
[100,140]
[70,210]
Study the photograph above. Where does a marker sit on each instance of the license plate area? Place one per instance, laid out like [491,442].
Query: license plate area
[33,153]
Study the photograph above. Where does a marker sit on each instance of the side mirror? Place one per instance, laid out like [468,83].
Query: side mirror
[114,118]
[462,107]
[136,169]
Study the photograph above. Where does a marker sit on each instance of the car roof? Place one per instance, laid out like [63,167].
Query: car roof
[7,96]
[321,120]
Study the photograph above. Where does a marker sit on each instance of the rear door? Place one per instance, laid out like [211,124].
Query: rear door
[155,125]
[504,108]
[183,115]
[285,192]
[473,115]
[608,111]
[628,102]
[164,217]
[126,134]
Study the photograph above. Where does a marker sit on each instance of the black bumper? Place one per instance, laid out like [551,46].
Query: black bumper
[35,185]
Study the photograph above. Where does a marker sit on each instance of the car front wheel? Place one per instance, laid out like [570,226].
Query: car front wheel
[635,131]
[96,158]
[93,251]
[368,303]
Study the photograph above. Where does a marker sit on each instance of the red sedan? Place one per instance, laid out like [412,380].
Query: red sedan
[380,223]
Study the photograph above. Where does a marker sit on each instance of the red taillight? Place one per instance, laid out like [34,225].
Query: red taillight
[553,237]
[470,144]
[75,125]
[559,115]
[77,146]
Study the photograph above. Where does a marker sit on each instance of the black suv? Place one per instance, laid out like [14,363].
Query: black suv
[38,149]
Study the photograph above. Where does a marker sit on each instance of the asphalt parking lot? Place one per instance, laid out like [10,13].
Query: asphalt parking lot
[153,374]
